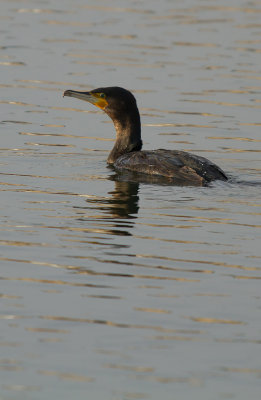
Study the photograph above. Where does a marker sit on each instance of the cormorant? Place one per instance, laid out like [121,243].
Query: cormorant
[177,166]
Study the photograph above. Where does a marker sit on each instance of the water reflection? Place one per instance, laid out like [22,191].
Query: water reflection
[120,205]
[124,201]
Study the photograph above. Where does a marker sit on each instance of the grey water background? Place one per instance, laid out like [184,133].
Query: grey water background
[116,289]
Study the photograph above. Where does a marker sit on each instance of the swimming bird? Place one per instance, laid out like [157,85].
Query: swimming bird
[178,166]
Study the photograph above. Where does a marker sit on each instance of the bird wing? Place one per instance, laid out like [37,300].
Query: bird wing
[166,163]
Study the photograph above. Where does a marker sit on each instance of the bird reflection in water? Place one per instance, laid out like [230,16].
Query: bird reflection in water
[118,210]
[124,199]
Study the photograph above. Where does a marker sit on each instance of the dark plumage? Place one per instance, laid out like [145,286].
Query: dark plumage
[178,166]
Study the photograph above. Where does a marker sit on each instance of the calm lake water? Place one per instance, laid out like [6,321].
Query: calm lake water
[115,289]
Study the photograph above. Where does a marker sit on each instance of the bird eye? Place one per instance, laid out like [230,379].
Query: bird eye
[102,95]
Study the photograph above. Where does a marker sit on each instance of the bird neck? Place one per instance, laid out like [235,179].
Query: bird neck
[128,136]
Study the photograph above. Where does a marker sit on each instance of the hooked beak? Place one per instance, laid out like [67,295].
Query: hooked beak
[93,98]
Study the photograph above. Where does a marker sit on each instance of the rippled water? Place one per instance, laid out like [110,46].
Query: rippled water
[111,288]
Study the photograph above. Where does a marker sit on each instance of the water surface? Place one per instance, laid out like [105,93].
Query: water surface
[114,288]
